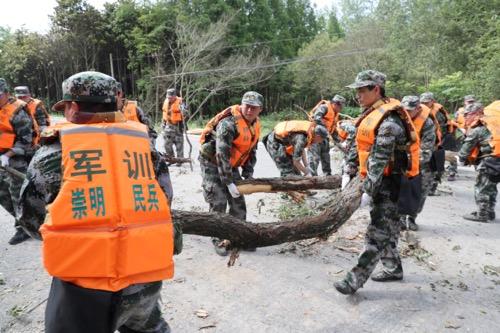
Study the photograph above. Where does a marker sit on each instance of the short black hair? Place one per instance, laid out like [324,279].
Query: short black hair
[382,90]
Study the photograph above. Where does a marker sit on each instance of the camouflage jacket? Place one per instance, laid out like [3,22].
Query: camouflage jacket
[350,129]
[144,119]
[22,124]
[319,114]
[226,132]
[299,143]
[478,136]
[427,142]
[391,135]
[443,122]
[41,116]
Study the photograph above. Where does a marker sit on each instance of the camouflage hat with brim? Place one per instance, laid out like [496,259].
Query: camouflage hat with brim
[368,78]
[410,102]
[253,98]
[4,87]
[21,91]
[426,97]
[171,93]
[472,108]
[90,87]
[321,131]
[338,99]
[469,98]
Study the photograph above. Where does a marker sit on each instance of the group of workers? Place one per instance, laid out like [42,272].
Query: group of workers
[108,237]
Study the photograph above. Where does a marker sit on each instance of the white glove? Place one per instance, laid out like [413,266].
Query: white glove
[233,190]
[458,161]
[343,145]
[345,180]
[366,200]
[4,160]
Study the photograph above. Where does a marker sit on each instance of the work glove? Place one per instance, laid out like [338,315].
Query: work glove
[345,180]
[4,160]
[459,162]
[233,190]
[366,200]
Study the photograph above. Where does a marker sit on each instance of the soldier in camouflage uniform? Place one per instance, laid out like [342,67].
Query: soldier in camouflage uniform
[218,174]
[428,141]
[427,99]
[72,308]
[380,191]
[294,164]
[173,129]
[320,152]
[40,113]
[15,152]
[479,138]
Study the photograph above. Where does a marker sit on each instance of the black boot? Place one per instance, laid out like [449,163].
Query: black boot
[411,223]
[477,217]
[19,237]
[384,276]
[491,215]
[344,287]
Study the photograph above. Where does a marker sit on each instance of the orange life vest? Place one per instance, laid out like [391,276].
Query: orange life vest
[460,118]
[331,116]
[172,114]
[32,105]
[130,110]
[110,225]
[242,145]
[492,122]
[419,122]
[283,130]
[436,107]
[367,131]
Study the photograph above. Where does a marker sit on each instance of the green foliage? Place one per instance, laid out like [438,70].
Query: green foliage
[288,211]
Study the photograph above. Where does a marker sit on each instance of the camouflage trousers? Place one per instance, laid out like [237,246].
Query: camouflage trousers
[283,161]
[485,193]
[381,239]
[10,187]
[319,152]
[174,135]
[216,193]
[134,309]
[452,168]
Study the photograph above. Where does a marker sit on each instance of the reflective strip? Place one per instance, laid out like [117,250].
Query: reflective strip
[110,130]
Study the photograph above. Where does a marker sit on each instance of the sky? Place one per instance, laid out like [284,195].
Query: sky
[34,14]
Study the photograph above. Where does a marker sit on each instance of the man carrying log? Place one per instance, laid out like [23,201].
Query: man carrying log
[229,142]
[385,137]
[325,113]
[287,145]
[426,126]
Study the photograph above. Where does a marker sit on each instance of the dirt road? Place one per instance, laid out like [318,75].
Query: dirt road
[451,283]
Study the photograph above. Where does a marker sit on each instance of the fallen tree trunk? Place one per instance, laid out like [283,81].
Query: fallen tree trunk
[287,184]
[248,235]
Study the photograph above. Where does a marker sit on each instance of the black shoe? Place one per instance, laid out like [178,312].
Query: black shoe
[19,237]
[344,288]
[384,276]
[220,250]
[477,217]
[491,216]
[411,224]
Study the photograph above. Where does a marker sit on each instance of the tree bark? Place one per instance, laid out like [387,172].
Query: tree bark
[248,235]
[287,184]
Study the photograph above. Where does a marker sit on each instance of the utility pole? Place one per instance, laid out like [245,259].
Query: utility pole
[111,64]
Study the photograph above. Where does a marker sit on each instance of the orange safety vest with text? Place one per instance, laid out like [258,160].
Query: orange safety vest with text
[419,122]
[130,110]
[172,114]
[367,131]
[283,129]
[110,225]
[245,141]
[32,105]
[330,118]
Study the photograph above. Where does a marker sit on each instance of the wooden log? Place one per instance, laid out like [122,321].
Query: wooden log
[248,235]
[288,184]
[13,172]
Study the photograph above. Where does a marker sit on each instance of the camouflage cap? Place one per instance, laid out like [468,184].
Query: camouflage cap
[93,87]
[368,78]
[474,107]
[338,99]
[426,97]
[21,91]
[410,102]
[321,131]
[469,98]
[4,87]
[253,98]
[171,92]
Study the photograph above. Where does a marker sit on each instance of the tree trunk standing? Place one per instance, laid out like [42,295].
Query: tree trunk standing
[243,234]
